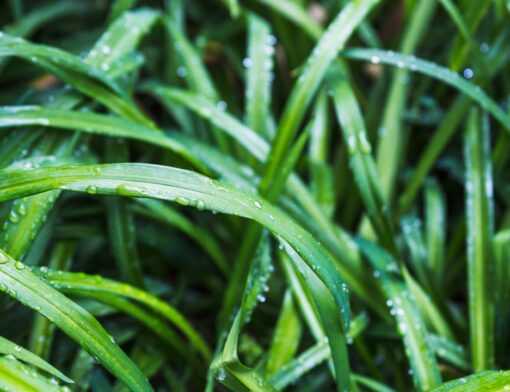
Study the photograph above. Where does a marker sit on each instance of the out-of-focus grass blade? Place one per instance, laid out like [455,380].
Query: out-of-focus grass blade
[434,71]
[487,380]
[20,284]
[91,81]
[450,351]
[79,282]
[297,14]
[186,188]
[89,123]
[409,322]
[286,336]
[308,82]
[361,161]
[479,212]
[195,72]
[122,37]
[502,295]
[259,64]
[320,171]
[435,228]
[9,348]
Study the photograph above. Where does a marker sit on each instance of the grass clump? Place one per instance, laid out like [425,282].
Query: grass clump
[254,195]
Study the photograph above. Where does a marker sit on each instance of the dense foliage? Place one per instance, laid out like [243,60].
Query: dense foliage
[254,195]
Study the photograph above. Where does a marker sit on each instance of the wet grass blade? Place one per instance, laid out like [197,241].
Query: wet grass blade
[434,71]
[308,82]
[20,284]
[479,212]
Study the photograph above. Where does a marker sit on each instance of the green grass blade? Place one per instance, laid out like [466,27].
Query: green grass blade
[308,82]
[186,188]
[434,71]
[286,336]
[15,376]
[488,380]
[9,348]
[19,283]
[425,371]
[258,74]
[69,282]
[479,212]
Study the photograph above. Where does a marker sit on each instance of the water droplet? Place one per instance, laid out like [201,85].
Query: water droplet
[105,67]
[17,348]
[182,72]
[221,375]
[13,217]
[182,201]
[271,40]
[221,106]
[261,298]
[468,73]
[106,49]
[3,288]
[389,303]
[271,217]
[91,190]
[375,60]
[400,64]
[257,204]
[247,62]
[200,205]
[19,265]
[484,47]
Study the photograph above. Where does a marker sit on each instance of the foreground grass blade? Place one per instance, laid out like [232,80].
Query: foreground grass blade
[183,187]
[487,380]
[479,212]
[20,284]
[9,348]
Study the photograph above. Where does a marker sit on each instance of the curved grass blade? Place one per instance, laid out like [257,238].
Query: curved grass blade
[20,284]
[9,348]
[80,282]
[90,123]
[480,225]
[91,81]
[186,188]
[434,71]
